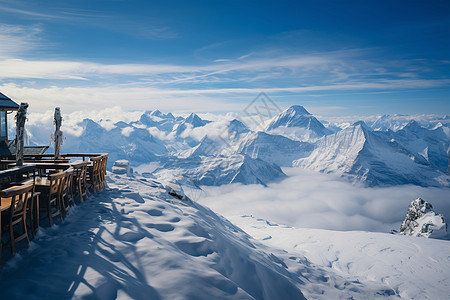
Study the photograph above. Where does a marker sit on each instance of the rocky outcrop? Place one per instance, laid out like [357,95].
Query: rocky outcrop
[422,221]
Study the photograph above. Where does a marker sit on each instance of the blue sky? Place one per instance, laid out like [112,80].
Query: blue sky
[333,57]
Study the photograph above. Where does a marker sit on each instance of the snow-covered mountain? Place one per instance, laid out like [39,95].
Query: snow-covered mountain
[361,154]
[431,144]
[415,153]
[219,170]
[123,141]
[275,149]
[297,122]
[397,121]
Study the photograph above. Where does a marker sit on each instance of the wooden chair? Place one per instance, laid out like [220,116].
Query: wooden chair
[52,201]
[67,189]
[33,212]
[103,171]
[95,176]
[19,196]
[80,181]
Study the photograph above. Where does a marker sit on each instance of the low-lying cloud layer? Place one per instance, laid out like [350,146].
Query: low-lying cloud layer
[313,200]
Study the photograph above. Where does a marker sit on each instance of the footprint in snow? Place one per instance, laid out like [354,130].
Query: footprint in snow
[161,227]
[175,220]
[135,196]
[154,212]
[131,237]
[199,248]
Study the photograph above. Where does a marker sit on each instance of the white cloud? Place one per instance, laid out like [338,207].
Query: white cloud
[161,135]
[126,131]
[314,200]
[137,97]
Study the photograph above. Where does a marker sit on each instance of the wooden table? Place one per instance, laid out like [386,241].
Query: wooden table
[12,174]
[59,160]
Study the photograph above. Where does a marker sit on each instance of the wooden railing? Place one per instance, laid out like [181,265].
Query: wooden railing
[83,156]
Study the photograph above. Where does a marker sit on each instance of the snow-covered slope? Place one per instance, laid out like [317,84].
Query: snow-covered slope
[297,122]
[135,241]
[218,170]
[431,144]
[408,267]
[274,149]
[359,153]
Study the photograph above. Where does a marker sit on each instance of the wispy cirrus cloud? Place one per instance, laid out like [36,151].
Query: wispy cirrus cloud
[17,39]
[67,13]
[324,69]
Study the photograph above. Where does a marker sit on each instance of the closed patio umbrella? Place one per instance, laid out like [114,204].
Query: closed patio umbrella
[58,135]
[21,117]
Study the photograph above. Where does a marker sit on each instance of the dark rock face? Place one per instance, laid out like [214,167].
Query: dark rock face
[422,221]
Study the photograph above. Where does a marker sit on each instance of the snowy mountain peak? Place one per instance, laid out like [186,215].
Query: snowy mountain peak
[237,128]
[304,124]
[92,128]
[413,126]
[360,123]
[156,113]
[195,120]
[297,109]
[146,119]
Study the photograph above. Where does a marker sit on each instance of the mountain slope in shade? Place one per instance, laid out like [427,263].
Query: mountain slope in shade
[296,121]
[361,154]
[431,144]
[219,170]
[274,149]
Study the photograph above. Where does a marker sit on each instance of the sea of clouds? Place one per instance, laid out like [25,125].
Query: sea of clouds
[314,200]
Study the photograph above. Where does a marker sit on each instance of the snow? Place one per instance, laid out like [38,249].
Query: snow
[414,268]
[122,167]
[139,240]
[135,241]
[361,154]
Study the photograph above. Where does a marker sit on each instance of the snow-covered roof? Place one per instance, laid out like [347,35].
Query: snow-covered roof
[7,104]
